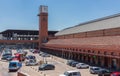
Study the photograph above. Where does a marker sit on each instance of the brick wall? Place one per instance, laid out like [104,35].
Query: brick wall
[95,33]
[80,35]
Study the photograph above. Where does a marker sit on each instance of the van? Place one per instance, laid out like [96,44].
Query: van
[14,65]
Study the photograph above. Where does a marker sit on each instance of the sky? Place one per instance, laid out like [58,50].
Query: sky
[22,14]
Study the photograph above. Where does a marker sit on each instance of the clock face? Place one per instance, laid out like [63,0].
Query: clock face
[44,9]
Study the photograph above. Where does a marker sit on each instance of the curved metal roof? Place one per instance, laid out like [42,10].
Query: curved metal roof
[108,22]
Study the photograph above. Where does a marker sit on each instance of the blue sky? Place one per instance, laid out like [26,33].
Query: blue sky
[22,14]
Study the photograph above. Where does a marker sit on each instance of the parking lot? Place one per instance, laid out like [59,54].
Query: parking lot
[60,66]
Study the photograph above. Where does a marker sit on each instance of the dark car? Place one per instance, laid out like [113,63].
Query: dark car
[104,72]
[7,57]
[46,67]
[69,62]
[30,57]
[73,64]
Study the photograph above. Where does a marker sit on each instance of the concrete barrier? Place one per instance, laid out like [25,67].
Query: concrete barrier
[107,74]
[22,74]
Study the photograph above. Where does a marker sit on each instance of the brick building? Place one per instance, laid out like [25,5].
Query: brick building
[95,42]
[18,38]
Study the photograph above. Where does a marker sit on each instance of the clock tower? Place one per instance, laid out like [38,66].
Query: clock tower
[43,25]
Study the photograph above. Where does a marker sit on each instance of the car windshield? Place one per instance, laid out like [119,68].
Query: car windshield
[19,51]
[66,73]
[105,70]
[31,61]
[82,64]
[96,68]
[43,65]
[13,65]
[31,57]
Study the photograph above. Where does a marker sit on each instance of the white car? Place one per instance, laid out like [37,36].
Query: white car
[31,62]
[71,73]
[82,65]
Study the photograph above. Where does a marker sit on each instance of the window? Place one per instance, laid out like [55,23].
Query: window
[88,51]
[112,53]
[105,52]
[75,73]
[98,52]
[70,74]
[83,50]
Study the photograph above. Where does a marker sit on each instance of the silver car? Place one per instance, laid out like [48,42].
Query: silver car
[82,65]
[95,70]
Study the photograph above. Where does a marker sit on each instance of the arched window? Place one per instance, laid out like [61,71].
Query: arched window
[105,53]
[89,51]
[98,52]
[112,53]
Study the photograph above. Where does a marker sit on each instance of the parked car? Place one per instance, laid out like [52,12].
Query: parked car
[95,70]
[73,64]
[104,72]
[82,65]
[31,50]
[31,62]
[69,62]
[35,51]
[115,74]
[71,73]
[19,56]
[30,57]
[14,65]
[7,57]
[46,67]
[41,53]
[45,55]
[22,51]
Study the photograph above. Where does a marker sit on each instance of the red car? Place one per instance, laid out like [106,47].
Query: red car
[19,57]
[115,74]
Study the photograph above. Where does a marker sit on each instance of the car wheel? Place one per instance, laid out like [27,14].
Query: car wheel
[53,68]
[90,72]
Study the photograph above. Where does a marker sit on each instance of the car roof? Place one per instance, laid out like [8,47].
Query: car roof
[73,71]
[94,67]
[48,64]
[81,63]
[14,61]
